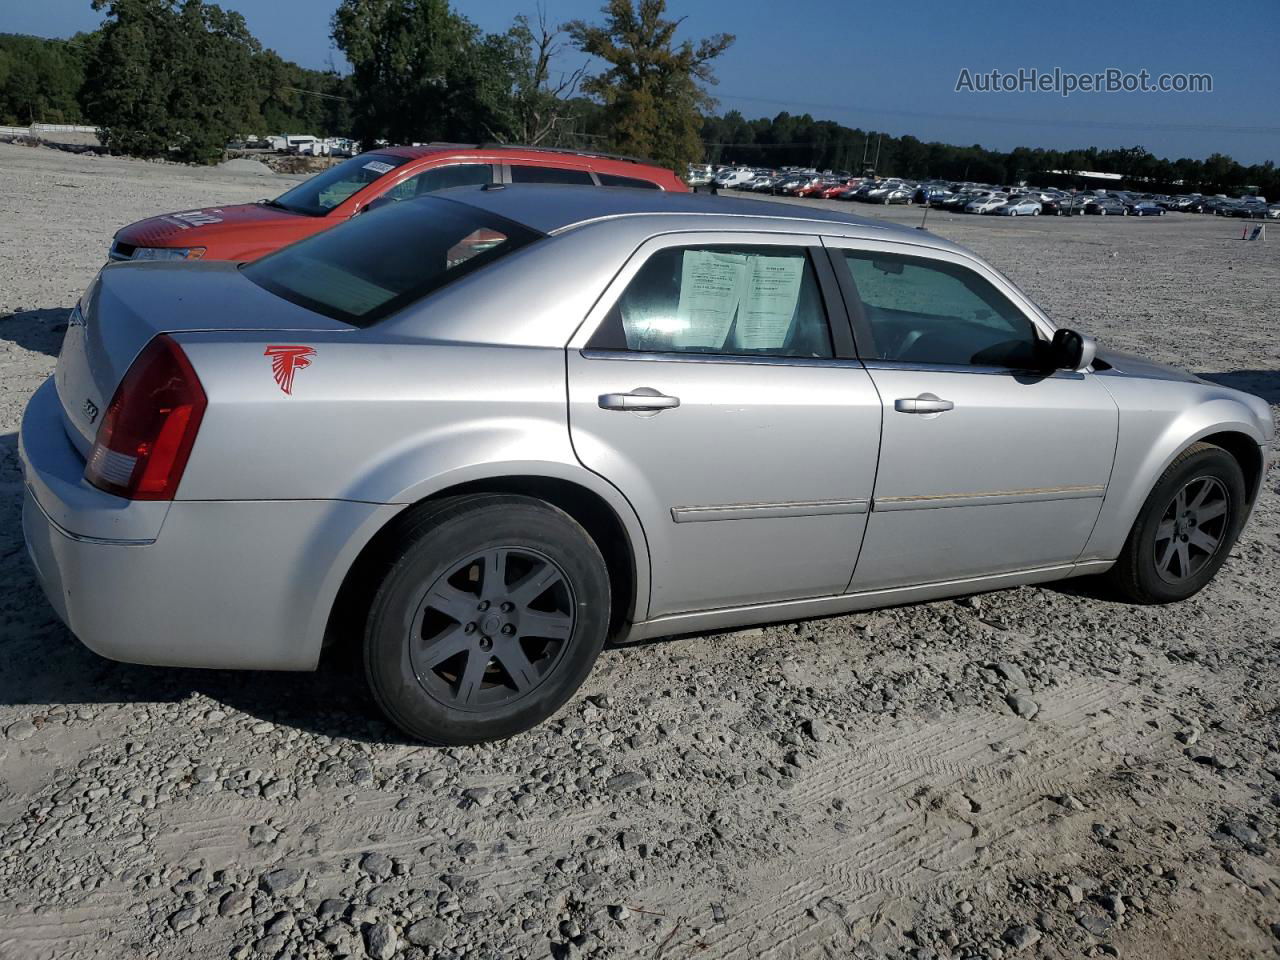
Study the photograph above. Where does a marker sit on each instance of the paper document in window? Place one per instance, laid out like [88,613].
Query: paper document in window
[711,287]
[769,301]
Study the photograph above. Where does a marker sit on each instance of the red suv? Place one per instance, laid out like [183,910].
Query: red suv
[246,231]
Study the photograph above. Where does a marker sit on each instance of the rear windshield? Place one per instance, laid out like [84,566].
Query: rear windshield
[384,260]
[324,191]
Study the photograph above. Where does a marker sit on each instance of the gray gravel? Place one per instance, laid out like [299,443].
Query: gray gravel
[1037,772]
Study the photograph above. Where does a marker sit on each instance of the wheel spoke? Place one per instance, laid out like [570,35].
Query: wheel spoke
[1167,557]
[1211,511]
[1165,531]
[473,675]
[533,584]
[1206,487]
[1202,540]
[1180,502]
[549,626]
[440,648]
[521,671]
[495,574]
[452,602]
[1184,558]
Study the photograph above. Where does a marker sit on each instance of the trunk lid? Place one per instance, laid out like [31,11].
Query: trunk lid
[129,304]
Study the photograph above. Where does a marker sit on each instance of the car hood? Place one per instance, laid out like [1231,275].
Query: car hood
[196,227]
[1132,365]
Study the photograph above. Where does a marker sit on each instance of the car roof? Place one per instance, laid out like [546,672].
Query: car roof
[558,209]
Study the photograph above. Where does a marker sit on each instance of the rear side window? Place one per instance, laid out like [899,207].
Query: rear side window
[732,301]
[525,174]
[929,311]
[613,180]
[382,261]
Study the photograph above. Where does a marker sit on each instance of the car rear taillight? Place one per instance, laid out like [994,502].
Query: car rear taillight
[151,424]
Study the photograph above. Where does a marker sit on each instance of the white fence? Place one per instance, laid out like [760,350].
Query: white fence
[39,129]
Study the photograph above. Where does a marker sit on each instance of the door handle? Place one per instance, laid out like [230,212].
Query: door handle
[925,403]
[639,400]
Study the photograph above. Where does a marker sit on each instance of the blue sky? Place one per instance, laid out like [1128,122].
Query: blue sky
[894,67]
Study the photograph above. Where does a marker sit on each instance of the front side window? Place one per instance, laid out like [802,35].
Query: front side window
[918,310]
[385,260]
[323,192]
[728,300]
[442,178]
[521,173]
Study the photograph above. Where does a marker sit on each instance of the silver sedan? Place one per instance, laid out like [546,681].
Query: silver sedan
[482,433]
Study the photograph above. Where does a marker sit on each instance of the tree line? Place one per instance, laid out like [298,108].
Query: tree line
[180,78]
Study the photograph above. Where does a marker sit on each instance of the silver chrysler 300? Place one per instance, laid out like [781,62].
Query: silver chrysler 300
[482,433]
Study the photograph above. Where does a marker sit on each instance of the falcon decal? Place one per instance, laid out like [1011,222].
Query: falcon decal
[286,361]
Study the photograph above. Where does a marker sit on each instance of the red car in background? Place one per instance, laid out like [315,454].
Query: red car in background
[246,231]
[831,190]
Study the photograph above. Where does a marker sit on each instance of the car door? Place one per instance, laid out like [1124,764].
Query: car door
[707,387]
[988,464]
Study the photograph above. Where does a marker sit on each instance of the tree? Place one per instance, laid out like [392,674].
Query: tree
[421,72]
[40,79]
[652,101]
[542,103]
[171,78]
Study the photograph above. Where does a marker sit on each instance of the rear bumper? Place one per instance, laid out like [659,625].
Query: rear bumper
[231,584]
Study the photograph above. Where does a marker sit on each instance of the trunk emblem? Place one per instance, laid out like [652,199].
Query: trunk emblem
[287,360]
[90,409]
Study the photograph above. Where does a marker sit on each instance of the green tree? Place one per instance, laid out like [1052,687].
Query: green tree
[542,99]
[651,93]
[171,78]
[40,79]
[421,72]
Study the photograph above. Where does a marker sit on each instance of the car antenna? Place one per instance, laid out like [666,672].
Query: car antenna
[925,218]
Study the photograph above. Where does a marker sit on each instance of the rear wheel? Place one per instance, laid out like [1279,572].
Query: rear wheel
[490,614]
[1186,528]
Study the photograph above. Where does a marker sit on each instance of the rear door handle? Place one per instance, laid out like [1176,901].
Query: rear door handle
[925,403]
[639,400]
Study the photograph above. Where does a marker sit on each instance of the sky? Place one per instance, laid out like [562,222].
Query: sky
[895,67]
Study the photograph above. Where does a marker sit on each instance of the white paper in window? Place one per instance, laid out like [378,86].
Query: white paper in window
[769,301]
[711,287]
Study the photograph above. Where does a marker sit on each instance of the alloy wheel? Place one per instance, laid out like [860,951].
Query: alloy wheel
[1191,529]
[492,628]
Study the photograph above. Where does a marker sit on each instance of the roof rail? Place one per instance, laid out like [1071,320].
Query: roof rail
[568,150]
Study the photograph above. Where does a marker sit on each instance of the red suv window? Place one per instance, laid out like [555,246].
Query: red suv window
[521,173]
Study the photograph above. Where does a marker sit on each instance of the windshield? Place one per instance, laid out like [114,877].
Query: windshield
[385,260]
[323,192]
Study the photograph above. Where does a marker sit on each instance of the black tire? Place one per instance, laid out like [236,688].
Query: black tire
[1137,574]
[440,537]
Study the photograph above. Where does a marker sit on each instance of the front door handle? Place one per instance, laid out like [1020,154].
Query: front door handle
[639,400]
[925,403]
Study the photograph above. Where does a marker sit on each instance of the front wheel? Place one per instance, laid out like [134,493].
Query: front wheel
[1186,528]
[491,611]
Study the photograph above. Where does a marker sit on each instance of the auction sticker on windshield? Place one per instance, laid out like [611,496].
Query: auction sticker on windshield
[377,166]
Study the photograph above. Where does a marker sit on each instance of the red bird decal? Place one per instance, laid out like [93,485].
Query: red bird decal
[286,361]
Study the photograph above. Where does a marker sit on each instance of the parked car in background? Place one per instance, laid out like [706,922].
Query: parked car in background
[834,189]
[1106,206]
[246,231]
[986,203]
[1020,207]
[480,546]
[1146,208]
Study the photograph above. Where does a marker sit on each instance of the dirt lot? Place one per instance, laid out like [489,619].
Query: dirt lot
[857,786]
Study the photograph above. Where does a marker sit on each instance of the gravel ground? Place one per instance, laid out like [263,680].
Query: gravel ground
[852,787]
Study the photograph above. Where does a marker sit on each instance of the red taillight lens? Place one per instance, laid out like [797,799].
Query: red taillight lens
[151,424]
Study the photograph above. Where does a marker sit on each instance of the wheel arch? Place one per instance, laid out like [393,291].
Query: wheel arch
[1222,422]
[608,520]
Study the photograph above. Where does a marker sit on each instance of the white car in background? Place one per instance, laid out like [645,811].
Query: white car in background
[1020,207]
[988,203]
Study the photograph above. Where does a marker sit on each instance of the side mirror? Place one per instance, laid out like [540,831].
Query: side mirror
[1070,350]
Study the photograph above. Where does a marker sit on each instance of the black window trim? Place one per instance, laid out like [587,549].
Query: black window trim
[837,320]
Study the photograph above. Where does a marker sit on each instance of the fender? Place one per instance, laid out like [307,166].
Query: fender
[1156,426]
